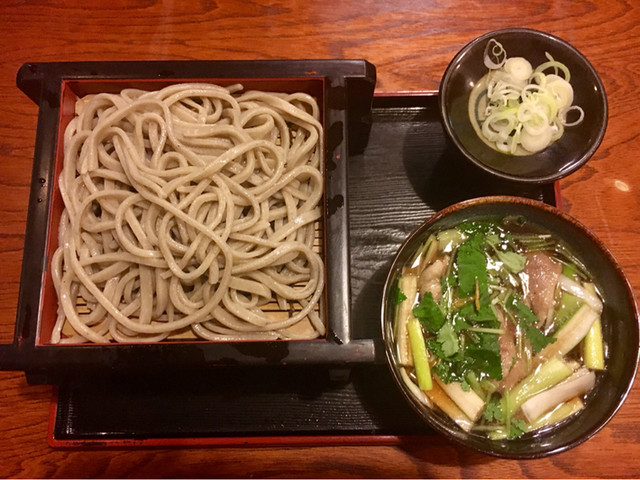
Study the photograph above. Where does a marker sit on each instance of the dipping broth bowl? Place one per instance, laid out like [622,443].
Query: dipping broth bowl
[619,322]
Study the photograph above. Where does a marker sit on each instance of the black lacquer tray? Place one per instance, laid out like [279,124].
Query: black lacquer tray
[405,173]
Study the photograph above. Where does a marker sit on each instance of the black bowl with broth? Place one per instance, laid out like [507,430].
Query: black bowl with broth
[560,158]
[619,327]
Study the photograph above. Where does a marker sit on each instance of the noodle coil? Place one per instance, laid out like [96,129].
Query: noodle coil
[190,211]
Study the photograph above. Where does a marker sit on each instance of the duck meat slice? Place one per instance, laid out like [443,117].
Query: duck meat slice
[514,369]
[540,279]
[431,276]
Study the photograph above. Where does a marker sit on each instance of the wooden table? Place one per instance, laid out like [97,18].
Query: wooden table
[410,42]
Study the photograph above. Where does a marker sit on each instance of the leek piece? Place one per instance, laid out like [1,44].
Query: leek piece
[419,352]
[569,305]
[450,239]
[545,376]
[570,271]
[425,254]
[430,255]
[571,334]
[593,350]
[579,383]
[574,288]
[557,414]
[438,396]
[592,346]
[469,402]
[488,386]
[499,434]
[408,285]
[475,385]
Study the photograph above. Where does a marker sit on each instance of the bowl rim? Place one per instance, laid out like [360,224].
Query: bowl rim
[451,432]
[449,71]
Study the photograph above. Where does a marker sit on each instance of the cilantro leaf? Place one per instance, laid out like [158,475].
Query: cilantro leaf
[435,347]
[484,357]
[484,315]
[528,320]
[472,267]
[487,316]
[398,296]
[459,322]
[488,341]
[448,339]
[451,370]
[537,339]
[512,260]
[444,371]
[521,310]
[493,411]
[481,352]
[466,312]
[481,357]
[429,314]
[518,428]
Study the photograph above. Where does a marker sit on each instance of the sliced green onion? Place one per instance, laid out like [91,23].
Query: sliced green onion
[525,109]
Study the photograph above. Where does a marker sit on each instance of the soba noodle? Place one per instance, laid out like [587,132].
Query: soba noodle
[191,210]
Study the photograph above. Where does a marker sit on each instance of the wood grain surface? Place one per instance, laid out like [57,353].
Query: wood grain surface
[410,42]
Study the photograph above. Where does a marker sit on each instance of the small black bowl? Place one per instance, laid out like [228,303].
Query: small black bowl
[562,157]
[619,327]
